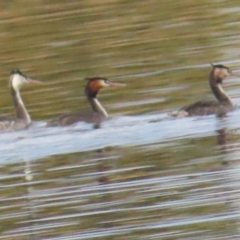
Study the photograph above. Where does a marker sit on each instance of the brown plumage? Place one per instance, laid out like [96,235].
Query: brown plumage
[222,105]
[98,113]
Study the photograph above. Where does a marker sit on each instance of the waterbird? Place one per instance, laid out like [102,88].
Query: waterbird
[22,119]
[223,104]
[98,113]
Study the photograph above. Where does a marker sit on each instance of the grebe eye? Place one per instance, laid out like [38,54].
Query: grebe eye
[106,81]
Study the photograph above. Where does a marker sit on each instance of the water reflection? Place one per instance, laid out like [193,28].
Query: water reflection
[226,139]
[145,191]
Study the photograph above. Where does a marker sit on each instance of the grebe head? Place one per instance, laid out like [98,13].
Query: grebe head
[18,79]
[96,83]
[221,72]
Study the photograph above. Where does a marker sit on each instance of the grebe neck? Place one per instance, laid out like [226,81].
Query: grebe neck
[97,106]
[219,93]
[21,111]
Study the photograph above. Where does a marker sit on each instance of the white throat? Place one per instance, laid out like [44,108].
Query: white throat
[99,107]
[224,93]
[21,104]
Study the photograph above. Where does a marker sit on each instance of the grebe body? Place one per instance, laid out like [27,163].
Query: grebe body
[223,104]
[98,113]
[22,119]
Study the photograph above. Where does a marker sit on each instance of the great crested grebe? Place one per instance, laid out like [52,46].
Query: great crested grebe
[22,119]
[97,115]
[224,103]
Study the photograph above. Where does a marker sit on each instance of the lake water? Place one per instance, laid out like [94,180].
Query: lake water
[143,174]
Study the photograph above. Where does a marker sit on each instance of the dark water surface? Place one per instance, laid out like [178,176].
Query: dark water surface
[143,174]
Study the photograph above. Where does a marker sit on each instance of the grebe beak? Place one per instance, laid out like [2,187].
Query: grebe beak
[33,81]
[115,84]
[233,74]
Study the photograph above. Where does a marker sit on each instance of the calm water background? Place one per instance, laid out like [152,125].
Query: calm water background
[142,175]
